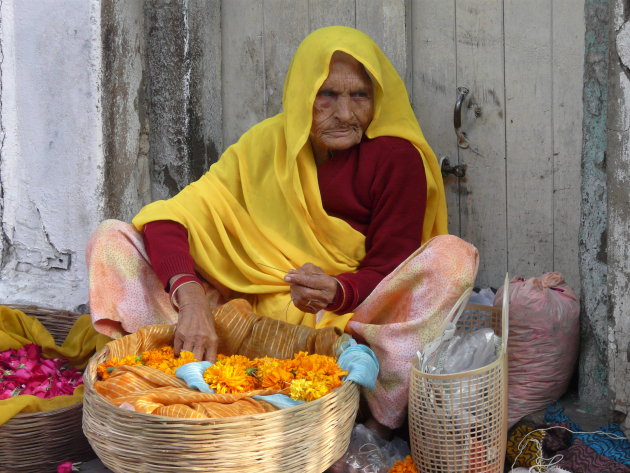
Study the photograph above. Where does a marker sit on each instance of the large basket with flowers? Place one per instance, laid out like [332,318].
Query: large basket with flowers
[305,438]
[39,441]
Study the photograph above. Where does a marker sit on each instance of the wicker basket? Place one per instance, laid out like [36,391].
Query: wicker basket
[37,442]
[458,422]
[303,439]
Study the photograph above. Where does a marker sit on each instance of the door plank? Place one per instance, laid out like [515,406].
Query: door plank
[280,45]
[433,85]
[385,23]
[243,67]
[331,12]
[529,136]
[568,71]
[480,66]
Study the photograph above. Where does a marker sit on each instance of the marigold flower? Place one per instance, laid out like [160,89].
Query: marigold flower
[162,358]
[404,466]
[224,378]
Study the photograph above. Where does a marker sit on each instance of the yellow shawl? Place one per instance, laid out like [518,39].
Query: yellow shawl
[260,206]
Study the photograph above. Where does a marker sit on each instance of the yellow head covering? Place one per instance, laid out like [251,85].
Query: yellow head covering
[260,205]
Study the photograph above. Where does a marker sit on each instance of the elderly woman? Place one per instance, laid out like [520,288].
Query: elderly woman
[314,216]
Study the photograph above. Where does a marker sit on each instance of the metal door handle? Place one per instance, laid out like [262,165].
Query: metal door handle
[462,92]
[459,170]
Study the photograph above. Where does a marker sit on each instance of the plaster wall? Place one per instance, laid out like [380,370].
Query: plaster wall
[51,160]
[127,185]
[618,170]
[593,369]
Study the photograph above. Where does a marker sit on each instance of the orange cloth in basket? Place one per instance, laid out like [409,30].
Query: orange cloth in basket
[152,391]
[241,331]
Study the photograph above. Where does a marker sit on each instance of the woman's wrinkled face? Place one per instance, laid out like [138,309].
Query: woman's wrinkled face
[343,108]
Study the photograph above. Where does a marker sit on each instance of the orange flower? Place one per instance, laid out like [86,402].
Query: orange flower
[276,378]
[405,466]
[161,358]
[224,377]
[104,370]
[305,377]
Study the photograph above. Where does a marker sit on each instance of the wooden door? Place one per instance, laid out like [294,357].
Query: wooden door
[519,202]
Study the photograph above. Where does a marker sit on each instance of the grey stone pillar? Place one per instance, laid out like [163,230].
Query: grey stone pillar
[618,230]
[593,369]
[125,123]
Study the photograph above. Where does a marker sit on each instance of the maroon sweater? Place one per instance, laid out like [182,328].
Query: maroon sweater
[378,187]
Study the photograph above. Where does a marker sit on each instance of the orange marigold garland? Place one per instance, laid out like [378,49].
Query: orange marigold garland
[404,466]
[305,377]
[163,359]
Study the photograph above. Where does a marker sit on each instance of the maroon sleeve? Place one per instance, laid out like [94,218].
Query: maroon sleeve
[167,246]
[398,192]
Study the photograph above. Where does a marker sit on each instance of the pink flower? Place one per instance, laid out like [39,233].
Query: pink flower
[23,371]
[31,351]
[68,467]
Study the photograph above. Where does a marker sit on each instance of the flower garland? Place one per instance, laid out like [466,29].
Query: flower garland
[163,359]
[404,466]
[25,371]
[305,377]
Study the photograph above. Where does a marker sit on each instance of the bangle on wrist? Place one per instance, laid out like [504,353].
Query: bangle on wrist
[339,299]
[182,281]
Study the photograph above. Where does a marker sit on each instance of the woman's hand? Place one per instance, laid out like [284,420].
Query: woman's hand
[195,330]
[311,288]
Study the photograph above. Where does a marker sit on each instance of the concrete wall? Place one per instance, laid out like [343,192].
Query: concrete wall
[127,183]
[618,242]
[51,158]
[593,366]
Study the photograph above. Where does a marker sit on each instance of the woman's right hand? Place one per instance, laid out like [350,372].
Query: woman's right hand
[195,330]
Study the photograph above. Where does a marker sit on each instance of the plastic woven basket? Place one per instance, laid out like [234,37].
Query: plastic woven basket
[37,442]
[458,422]
[307,438]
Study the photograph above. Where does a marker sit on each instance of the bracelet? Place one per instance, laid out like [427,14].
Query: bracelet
[179,283]
[343,298]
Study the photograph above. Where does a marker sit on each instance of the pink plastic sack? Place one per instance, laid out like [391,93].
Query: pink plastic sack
[542,344]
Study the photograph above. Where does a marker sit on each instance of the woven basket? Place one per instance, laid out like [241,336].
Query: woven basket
[37,442]
[307,438]
[458,422]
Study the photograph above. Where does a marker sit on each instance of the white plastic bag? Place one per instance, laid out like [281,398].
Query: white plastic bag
[368,453]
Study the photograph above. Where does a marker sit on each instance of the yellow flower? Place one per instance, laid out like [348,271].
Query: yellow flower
[226,378]
[305,390]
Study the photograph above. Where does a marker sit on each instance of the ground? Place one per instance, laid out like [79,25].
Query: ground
[588,421]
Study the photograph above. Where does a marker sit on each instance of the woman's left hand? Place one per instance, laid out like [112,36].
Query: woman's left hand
[311,288]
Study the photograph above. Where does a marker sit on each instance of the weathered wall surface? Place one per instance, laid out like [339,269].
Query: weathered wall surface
[593,370]
[618,174]
[127,183]
[50,154]
[183,44]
